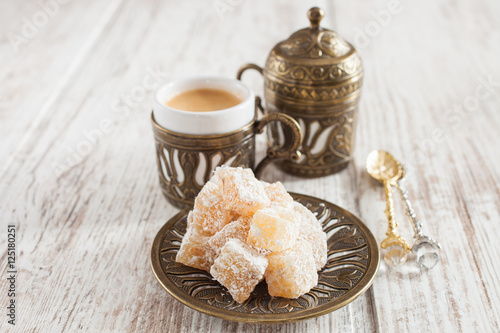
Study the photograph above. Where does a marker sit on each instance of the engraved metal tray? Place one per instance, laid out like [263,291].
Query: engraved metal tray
[353,260]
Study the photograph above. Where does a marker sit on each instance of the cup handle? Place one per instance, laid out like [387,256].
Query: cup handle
[248,66]
[238,77]
[293,138]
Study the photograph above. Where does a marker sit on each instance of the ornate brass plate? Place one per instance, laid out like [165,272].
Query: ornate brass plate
[353,260]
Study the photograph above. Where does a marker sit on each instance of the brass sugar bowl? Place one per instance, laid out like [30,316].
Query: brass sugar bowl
[315,76]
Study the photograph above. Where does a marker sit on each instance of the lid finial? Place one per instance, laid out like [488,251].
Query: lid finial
[315,15]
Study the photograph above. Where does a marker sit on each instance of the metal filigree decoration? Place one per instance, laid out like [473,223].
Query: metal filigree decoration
[300,94]
[321,44]
[185,163]
[279,67]
[315,76]
[332,44]
[326,145]
[353,260]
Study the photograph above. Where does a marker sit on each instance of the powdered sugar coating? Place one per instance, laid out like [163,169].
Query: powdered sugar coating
[273,228]
[195,251]
[209,210]
[278,195]
[317,239]
[239,268]
[242,192]
[306,215]
[311,231]
[235,230]
[291,273]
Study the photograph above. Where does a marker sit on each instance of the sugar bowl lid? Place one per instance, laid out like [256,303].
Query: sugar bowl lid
[312,48]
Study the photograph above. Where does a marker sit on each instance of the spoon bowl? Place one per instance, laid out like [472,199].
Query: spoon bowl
[383,166]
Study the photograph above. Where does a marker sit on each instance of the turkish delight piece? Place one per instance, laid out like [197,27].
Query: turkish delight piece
[234,230]
[195,251]
[317,239]
[291,273]
[273,228]
[218,175]
[239,268]
[278,195]
[242,192]
[306,215]
[209,212]
[310,230]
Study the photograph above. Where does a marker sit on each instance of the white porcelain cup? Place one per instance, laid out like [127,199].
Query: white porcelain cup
[207,122]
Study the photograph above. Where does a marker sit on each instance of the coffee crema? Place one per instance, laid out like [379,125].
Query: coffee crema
[203,100]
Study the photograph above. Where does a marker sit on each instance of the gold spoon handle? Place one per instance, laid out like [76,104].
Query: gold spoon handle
[392,236]
[389,210]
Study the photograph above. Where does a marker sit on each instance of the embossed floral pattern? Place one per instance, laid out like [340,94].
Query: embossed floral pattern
[348,261]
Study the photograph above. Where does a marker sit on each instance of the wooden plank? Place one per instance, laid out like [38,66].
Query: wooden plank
[43,46]
[85,232]
[419,66]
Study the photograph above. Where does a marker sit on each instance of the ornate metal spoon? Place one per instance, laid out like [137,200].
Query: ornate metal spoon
[384,168]
[426,248]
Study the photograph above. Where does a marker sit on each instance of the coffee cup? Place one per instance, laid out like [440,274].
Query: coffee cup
[190,144]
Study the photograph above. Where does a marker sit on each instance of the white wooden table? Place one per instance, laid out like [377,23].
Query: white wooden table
[80,183]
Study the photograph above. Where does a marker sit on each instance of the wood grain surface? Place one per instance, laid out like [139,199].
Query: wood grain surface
[79,178]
